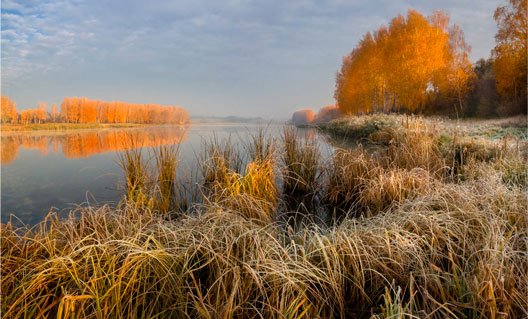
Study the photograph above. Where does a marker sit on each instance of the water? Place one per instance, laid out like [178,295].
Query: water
[58,170]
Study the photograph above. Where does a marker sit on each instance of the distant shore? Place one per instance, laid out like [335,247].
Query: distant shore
[66,126]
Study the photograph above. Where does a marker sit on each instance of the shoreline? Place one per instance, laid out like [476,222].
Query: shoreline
[73,126]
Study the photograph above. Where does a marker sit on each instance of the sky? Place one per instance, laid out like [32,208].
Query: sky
[214,58]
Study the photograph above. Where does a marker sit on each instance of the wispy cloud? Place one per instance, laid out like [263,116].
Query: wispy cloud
[247,57]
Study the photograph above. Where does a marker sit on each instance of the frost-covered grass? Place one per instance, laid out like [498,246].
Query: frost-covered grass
[429,224]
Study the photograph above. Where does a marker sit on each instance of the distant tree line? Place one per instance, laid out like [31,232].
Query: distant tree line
[421,64]
[84,110]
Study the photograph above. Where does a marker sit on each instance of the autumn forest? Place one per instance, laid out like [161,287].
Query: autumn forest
[84,110]
[421,64]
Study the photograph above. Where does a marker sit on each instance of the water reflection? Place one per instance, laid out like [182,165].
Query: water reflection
[79,144]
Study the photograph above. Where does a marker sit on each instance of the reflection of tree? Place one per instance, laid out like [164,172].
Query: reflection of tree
[83,144]
[10,145]
[36,142]
[9,149]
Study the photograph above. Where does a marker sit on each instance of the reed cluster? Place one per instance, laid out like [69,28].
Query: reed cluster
[301,160]
[150,179]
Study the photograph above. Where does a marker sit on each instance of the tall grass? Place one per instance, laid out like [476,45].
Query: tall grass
[300,160]
[166,163]
[260,146]
[347,177]
[459,251]
[253,193]
[217,160]
[152,187]
[137,176]
[411,241]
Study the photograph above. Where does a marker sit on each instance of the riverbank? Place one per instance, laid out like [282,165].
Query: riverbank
[361,127]
[63,126]
[410,221]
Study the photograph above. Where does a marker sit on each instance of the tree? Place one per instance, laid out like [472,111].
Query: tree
[510,54]
[28,116]
[40,113]
[70,110]
[84,110]
[54,114]
[405,65]
[8,110]
[460,75]
[483,97]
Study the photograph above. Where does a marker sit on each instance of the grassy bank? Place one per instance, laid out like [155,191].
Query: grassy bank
[63,126]
[416,222]
[361,127]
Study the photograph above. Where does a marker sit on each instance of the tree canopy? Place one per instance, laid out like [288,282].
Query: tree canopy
[510,55]
[405,66]
[84,110]
[8,110]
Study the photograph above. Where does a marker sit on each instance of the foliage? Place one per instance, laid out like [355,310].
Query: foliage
[301,160]
[83,110]
[510,54]
[8,110]
[483,99]
[432,58]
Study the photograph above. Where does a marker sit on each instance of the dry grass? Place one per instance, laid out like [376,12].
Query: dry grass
[459,251]
[218,159]
[166,157]
[137,177]
[300,159]
[412,241]
[253,194]
[233,181]
[394,186]
[347,176]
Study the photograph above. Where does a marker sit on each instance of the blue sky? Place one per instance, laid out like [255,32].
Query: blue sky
[247,58]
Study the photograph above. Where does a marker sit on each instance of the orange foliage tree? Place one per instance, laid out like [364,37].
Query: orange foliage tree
[510,54]
[405,65]
[54,114]
[40,114]
[8,110]
[83,110]
[32,116]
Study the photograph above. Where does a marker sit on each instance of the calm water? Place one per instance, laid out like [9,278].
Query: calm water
[45,170]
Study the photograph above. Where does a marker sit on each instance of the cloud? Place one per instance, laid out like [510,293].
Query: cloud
[217,56]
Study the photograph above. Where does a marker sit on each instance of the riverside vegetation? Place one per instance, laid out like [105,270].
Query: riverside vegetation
[414,218]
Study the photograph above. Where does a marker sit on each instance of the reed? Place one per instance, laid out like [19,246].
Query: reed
[137,177]
[166,159]
[347,177]
[458,251]
[260,146]
[300,159]
[253,194]
[217,160]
